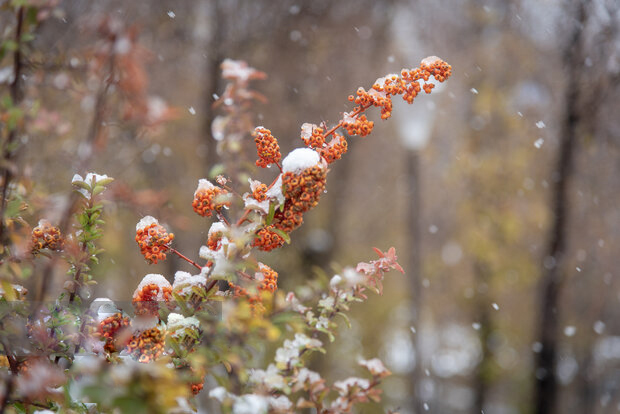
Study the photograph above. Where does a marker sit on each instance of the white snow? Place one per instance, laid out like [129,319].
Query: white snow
[599,327]
[375,366]
[220,394]
[275,192]
[344,386]
[217,227]
[474,91]
[88,180]
[280,404]
[540,124]
[306,130]
[236,69]
[192,110]
[429,60]
[203,184]
[171,14]
[335,281]
[307,375]
[539,142]
[252,203]
[183,282]
[347,118]
[570,330]
[145,222]
[271,377]
[153,279]
[300,159]
[179,323]
[250,404]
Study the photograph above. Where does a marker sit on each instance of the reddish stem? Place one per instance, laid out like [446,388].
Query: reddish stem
[211,285]
[190,261]
[244,217]
[243,274]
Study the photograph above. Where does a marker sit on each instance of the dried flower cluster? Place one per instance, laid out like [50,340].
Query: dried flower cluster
[209,199]
[267,147]
[110,330]
[46,236]
[153,239]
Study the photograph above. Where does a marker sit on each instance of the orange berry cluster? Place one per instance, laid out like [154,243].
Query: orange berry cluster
[358,125]
[46,236]
[260,192]
[214,240]
[210,200]
[270,279]
[316,139]
[255,301]
[267,239]
[154,242]
[267,147]
[301,192]
[197,387]
[147,346]
[334,150]
[109,329]
[407,84]
[145,300]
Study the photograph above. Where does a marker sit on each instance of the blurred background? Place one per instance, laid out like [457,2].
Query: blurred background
[499,190]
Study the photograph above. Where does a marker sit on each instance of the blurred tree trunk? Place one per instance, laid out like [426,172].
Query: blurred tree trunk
[214,59]
[414,270]
[546,387]
[483,318]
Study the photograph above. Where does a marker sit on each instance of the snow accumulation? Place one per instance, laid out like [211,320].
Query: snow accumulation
[203,185]
[153,279]
[145,222]
[300,159]
[430,60]
[180,322]
[88,180]
[183,282]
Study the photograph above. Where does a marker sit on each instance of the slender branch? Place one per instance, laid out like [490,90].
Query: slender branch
[187,259]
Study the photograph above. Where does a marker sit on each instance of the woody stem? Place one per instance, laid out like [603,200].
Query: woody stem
[187,259]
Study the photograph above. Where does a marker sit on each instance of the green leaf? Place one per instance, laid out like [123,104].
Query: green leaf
[272,213]
[9,45]
[284,235]
[105,181]
[98,189]
[346,318]
[216,170]
[81,184]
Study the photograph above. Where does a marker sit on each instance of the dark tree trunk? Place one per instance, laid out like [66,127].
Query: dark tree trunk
[546,387]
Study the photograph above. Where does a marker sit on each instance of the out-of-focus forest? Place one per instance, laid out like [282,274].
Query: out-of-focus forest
[499,191]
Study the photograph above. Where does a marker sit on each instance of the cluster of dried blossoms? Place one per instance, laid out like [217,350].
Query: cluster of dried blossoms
[153,239]
[210,199]
[46,236]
